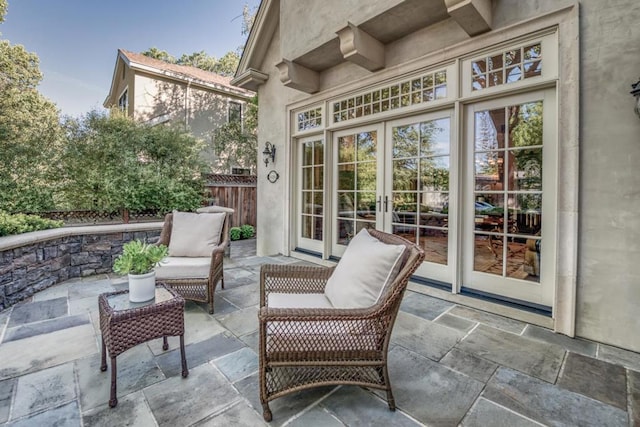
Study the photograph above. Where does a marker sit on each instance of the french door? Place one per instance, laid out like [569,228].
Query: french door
[397,181]
[510,197]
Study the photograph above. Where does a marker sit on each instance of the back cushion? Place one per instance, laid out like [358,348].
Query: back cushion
[365,268]
[195,234]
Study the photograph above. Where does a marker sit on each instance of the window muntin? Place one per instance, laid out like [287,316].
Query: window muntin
[506,67]
[508,191]
[417,90]
[420,188]
[312,171]
[309,119]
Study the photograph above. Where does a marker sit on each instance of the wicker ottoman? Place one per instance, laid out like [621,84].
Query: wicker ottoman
[125,324]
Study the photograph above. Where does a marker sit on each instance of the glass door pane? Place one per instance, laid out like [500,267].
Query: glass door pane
[508,190]
[356,196]
[420,185]
[311,194]
[510,198]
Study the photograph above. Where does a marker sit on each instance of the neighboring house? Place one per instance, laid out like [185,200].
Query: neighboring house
[500,135]
[156,92]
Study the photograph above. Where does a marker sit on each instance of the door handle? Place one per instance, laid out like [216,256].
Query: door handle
[386,203]
[379,202]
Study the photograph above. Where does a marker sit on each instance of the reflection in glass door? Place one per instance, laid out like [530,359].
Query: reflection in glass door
[420,168]
[312,194]
[357,200]
[507,193]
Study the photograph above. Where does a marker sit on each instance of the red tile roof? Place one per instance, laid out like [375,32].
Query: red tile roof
[181,70]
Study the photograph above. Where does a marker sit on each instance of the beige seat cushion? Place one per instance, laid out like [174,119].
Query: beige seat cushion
[183,268]
[278,300]
[365,268]
[195,234]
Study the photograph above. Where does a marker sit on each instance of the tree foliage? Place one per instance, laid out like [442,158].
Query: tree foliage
[237,142]
[225,66]
[29,131]
[112,162]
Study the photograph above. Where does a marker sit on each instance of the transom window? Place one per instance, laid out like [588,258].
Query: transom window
[421,89]
[507,67]
[309,119]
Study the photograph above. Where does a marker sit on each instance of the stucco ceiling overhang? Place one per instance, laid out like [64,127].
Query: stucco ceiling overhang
[406,17]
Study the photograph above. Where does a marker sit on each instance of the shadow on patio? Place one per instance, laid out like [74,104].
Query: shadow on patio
[449,365]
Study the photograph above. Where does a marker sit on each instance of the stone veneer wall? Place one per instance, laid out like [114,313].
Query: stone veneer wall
[34,261]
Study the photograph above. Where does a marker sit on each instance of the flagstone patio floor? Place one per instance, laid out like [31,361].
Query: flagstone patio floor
[449,365]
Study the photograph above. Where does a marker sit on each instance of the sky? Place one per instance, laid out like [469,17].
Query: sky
[77,40]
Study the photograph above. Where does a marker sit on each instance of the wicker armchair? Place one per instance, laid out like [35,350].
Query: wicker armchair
[302,348]
[194,278]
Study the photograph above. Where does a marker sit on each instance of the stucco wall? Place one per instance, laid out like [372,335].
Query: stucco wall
[608,287]
[158,100]
[609,247]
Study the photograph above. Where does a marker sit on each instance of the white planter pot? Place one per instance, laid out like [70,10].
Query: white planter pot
[142,287]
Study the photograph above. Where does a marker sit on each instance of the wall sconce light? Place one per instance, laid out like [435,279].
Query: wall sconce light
[269,153]
[636,92]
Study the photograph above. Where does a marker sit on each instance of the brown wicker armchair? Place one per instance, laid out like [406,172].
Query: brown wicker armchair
[302,348]
[194,278]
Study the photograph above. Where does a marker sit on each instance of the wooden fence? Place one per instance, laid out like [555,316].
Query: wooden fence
[238,192]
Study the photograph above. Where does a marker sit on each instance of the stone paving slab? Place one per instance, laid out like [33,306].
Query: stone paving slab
[575,345]
[45,327]
[355,406]
[628,359]
[181,401]
[241,322]
[534,358]
[423,305]
[238,365]
[469,364]
[136,369]
[220,306]
[252,340]
[44,351]
[198,353]
[67,415]
[428,391]
[455,322]
[594,378]
[37,311]
[242,296]
[486,413]
[239,415]
[132,410]
[424,337]
[6,393]
[634,397]
[493,320]
[549,404]
[283,408]
[316,417]
[44,390]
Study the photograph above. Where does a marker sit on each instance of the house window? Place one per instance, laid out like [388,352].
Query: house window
[507,67]
[309,119]
[420,89]
[235,112]
[123,102]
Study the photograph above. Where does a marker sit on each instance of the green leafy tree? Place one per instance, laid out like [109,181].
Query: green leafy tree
[237,142]
[133,166]
[29,131]
[162,55]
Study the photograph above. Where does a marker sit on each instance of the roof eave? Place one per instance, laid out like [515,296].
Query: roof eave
[262,31]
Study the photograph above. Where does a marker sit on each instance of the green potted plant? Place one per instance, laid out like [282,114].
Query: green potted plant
[138,260]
